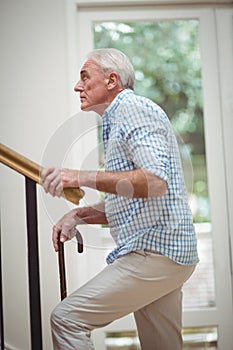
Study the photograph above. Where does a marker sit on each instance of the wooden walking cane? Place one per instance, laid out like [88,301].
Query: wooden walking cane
[62,271]
[61,262]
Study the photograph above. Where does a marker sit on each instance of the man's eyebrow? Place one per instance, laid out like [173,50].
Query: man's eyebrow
[83,72]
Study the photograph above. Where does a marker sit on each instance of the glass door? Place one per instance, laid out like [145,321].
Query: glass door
[167,60]
[174,53]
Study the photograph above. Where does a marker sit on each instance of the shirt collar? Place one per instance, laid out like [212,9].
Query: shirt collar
[116,102]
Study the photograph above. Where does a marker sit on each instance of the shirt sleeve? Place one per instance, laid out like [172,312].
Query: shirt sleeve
[148,145]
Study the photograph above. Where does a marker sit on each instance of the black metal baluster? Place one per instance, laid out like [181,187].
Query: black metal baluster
[33,265]
[1,301]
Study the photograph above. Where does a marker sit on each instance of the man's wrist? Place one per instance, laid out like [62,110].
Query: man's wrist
[87,178]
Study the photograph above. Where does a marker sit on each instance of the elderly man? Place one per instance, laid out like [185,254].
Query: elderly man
[147,210]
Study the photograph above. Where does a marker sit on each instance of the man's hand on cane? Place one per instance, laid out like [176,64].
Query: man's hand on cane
[65,229]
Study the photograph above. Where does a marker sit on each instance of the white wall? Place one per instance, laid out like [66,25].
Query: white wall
[34,102]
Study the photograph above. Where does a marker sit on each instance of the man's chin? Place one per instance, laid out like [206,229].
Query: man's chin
[90,108]
[86,108]
[99,109]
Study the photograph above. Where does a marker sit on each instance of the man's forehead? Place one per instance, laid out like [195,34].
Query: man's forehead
[89,65]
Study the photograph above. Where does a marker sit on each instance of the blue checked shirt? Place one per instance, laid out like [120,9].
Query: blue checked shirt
[138,134]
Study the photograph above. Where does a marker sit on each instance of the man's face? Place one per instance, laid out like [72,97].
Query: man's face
[92,87]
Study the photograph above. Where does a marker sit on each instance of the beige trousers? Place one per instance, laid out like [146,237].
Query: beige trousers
[142,282]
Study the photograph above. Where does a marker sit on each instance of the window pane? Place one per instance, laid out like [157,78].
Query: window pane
[167,61]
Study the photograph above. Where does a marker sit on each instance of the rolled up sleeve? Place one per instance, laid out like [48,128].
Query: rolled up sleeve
[149,149]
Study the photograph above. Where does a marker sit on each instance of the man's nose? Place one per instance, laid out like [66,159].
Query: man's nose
[78,87]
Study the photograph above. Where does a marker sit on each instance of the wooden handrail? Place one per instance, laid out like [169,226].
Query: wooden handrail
[32,170]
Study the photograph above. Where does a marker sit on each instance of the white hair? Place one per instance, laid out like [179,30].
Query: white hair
[114,60]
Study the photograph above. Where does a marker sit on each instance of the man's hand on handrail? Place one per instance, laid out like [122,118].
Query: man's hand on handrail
[54,180]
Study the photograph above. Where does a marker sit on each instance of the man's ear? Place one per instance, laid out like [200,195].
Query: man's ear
[112,81]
